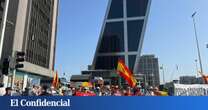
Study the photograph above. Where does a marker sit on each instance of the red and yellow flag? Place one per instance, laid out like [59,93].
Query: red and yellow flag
[205,78]
[124,72]
[55,82]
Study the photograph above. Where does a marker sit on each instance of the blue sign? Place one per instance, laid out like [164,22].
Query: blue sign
[103,103]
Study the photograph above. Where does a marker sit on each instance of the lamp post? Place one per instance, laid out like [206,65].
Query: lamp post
[163,73]
[197,42]
[196,61]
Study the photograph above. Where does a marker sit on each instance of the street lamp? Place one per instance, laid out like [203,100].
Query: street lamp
[197,42]
[196,61]
[163,72]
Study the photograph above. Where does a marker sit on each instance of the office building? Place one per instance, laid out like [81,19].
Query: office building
[31,27]
[122,34]
[191,80]
[1,9]
[149,67]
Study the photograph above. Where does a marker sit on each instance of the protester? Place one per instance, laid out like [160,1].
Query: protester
[73,91]
[34,91]
[44,91]
[26,92]
[157,92]
[128,92]
[53,91]
[117,91]
[149,92]
[8,91]
[137,92]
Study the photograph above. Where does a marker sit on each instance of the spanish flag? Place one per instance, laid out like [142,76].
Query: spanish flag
[55,82]
[205,78]
[124,72]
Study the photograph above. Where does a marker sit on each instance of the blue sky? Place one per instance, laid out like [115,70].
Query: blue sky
[169,34]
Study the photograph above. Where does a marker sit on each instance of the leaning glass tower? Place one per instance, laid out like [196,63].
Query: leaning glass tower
[122,34]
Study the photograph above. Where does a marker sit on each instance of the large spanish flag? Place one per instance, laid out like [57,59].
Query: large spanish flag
[124,72]
[55,82]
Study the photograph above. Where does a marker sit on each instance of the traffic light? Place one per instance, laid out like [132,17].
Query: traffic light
[20,57]
[5,66]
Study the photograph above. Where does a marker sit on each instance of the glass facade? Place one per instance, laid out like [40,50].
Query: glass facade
[113,38]
[121,35]
[2,3]
[136,8]
[134,34]
[10,28]
[116,9]
[107,62]
[132,59]
[149,66]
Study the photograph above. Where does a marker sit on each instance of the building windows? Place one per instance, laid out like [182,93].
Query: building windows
[136,8]
[132,59]
[108,62]
[148,65]
[122,34]
[38,44]
[113,38]
[116,10]
[134,34]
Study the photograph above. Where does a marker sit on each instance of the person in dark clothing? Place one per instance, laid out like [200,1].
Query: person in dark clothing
[44,91]
[26,92]
[8,91]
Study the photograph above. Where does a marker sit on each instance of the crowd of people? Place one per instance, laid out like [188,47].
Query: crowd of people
[101,90]
[115,90]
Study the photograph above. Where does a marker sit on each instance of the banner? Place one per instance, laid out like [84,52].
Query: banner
[191,90]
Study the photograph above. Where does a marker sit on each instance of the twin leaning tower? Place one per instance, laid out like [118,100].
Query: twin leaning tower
[122,34]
